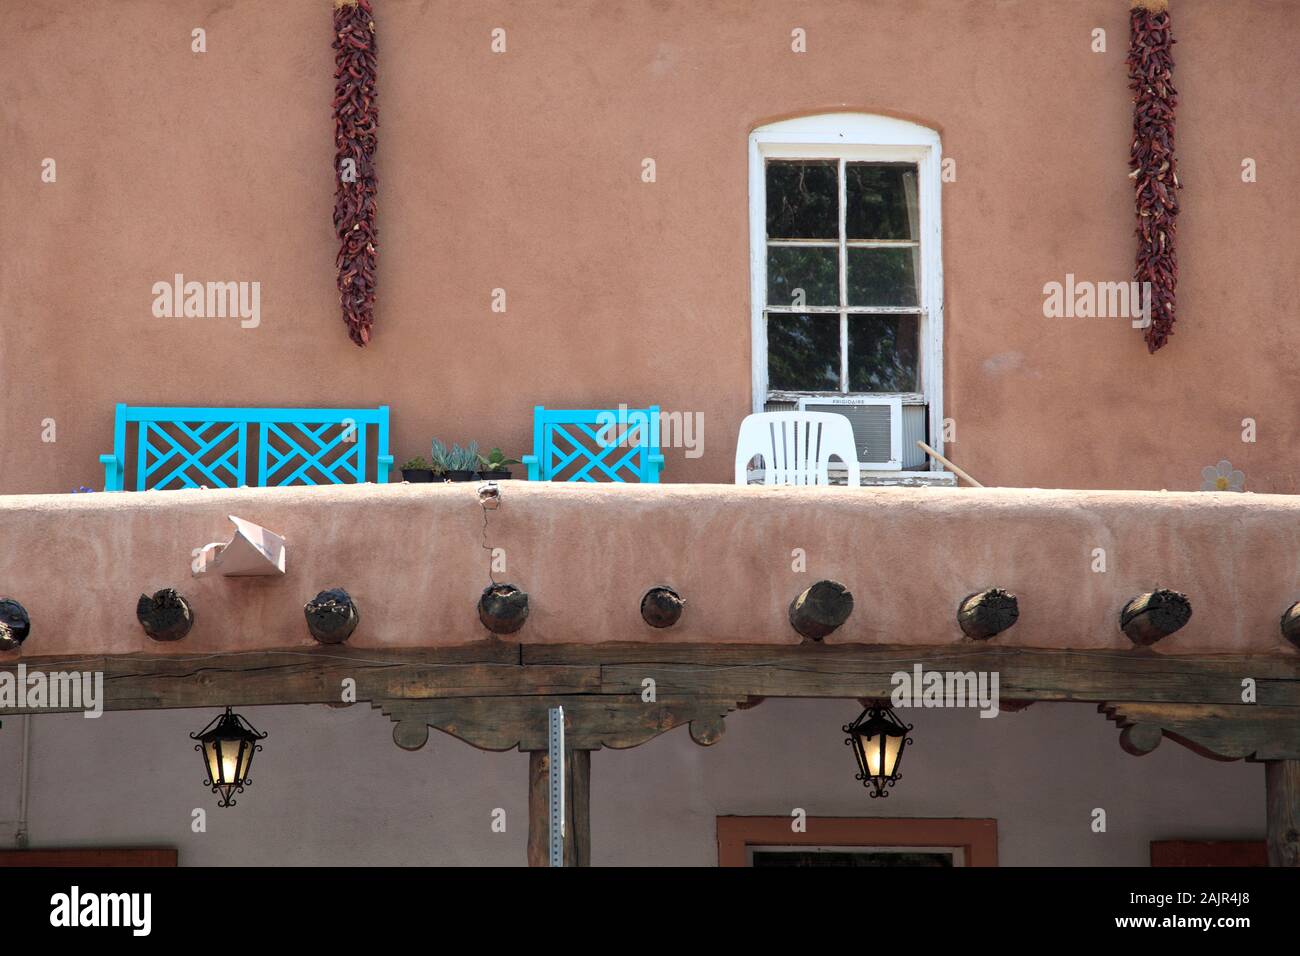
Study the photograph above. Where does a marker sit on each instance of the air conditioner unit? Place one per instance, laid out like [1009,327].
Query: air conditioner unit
[885,430]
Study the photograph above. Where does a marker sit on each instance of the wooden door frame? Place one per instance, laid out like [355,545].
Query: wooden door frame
[90,857]
[977,837]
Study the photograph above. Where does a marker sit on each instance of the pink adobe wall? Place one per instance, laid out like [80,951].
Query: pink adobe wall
[521,170]
[412,557]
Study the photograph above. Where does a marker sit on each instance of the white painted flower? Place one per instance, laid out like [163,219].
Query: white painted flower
[1222,477]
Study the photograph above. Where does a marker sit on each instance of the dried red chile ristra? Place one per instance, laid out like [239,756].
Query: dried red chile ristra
[356,120]
[1155,169]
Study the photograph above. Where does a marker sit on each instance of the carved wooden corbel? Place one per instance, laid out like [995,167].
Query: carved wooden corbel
[591,721]
[1217,731]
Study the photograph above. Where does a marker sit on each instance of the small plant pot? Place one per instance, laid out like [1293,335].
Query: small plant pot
[460,476]
[494,475]
[417,475]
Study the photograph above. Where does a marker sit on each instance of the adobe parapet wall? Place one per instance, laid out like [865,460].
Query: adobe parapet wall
[413,558]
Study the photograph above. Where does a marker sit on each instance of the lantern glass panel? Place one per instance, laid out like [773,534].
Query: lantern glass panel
[213,761]
[873,748]
[893,746]
[230,753]
[246,759]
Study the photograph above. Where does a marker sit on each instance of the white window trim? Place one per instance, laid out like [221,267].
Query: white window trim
[856,137]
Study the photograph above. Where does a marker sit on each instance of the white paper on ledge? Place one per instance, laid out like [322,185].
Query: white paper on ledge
[253,550]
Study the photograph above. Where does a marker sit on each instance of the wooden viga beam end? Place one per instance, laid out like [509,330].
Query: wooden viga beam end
[503,608]
[1291,624]
[15,624]
[332,616]
[661,607]
[820,609]
[165,615]
[1154,615]
[987,613]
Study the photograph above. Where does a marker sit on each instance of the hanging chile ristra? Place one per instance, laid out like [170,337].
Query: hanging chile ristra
[356,120]
[1155,170]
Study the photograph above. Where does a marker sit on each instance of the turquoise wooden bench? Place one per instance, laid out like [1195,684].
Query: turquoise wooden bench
[578,444]
[193,447]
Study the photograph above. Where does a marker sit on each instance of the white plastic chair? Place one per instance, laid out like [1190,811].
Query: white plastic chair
[796,447]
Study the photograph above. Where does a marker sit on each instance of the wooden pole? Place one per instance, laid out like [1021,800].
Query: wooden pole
[577,808]
[947,464]
[539,765]
[1282,785]
[577,827]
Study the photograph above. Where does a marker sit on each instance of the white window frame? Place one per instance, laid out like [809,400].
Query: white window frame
[856,137]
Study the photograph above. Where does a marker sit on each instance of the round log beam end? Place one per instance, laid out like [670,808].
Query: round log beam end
[15,624]
[986,613]
[661,607]
[410,734]
[1140,739]
[1291,624]
[707,731]
[503,608]
[1154,615]
[820,609]
[332,616]
[165,615]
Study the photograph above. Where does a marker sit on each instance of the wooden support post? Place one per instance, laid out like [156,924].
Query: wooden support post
[1282,784]
[577,786]
[539,766]
[577,808]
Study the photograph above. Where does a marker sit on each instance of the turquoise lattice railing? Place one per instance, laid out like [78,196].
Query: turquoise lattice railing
[592,444]
[180,447]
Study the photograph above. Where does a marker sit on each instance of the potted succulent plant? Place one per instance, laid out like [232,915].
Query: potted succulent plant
[438,459]
[417,470]
[459,464]
[495,466]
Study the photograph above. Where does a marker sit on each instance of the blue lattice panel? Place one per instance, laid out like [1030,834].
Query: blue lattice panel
[595,445]
[216,447]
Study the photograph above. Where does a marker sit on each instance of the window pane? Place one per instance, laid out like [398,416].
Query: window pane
[883,353]
[803,352]
[881,201]
[815,270]
[803,200]
[883,276]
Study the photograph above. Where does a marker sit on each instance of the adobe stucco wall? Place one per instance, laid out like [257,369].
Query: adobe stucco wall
[133,779]
[520,171]
[414,559]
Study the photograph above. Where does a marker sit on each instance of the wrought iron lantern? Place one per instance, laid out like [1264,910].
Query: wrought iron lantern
[228,744]
[878,739]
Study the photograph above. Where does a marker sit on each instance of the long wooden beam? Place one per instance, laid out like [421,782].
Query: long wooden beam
[493,668]
[816,670]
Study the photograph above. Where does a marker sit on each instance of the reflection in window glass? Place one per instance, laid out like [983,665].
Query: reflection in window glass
[881,201]
[803,352]
[803,200]
[883,353]
[882,276]
[816,270]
